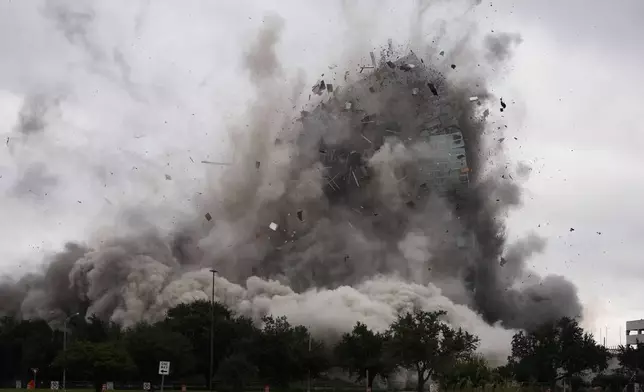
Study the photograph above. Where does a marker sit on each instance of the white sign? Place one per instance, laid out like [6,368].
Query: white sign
[18,384]
[164,368]
[110,386]
[54,385]
[146,386]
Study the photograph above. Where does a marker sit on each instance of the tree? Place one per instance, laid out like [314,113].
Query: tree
[284,354]
[555,351]
[631,358]
[422,342]
[235,371]
[362,352]
[148,344]
[473,372]
[193,321]
[29,344]
[98,362]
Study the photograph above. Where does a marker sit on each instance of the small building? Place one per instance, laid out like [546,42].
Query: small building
[634,332]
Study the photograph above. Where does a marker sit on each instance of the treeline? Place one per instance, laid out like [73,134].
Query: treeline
[280,354]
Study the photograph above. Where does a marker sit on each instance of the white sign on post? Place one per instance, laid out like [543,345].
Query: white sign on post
[146,386]
[109,385]
[164,368]
[54,385]
[18,384]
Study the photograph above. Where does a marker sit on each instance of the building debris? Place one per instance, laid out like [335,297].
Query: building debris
[257,164]
[168,177]
[474,98]
[373,59]
[300,215]
[503,261]
[365,138]
[572,229]
[414,91]
[273,226]
[348,105]
[407,67]
[501,140]
[442,53]
[355,178]
[329,88]
[215,163]
[503,105]
[453,66]
[319,87]
[208,216]
[432,88]
[391,64]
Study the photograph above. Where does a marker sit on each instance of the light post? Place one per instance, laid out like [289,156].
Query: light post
[212,327]
[65,350]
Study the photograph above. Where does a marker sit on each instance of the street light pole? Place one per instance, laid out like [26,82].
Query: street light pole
[212,327]
[65,351]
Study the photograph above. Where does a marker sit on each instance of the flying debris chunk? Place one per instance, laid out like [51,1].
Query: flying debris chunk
[257,164]
[300,215]
[572,229]
[208,216]
[503,261]
[432,88]
[453,66]
[407,67]
[168,177]
[391,64]
[216,163]
[442,53]
[503,105]
[319,87]
[373,59]
[472,99]
[348,105]
[329,88]
[414,91]
[273,226]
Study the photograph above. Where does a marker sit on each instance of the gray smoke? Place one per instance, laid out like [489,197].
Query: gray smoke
[362,226]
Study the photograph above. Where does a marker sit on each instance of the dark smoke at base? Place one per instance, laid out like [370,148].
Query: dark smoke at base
[373,241]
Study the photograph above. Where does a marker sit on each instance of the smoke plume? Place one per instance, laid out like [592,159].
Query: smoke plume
[333,214]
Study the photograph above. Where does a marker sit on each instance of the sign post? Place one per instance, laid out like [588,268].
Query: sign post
[54,385]
[164,370]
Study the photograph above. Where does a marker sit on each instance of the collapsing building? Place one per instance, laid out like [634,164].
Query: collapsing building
[404,101]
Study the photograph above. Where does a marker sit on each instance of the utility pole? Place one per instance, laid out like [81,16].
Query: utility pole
[308,381]
[212,327]
[65,350]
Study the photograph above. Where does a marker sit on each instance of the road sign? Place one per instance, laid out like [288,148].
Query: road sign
[54,385]
[110,386]
[18,384]
[146,386]
[164,368]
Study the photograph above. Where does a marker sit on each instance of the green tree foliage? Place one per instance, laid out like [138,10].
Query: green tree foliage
[98,362]
[28,344]
[422,342]
[554,351]
[632,358]
[362,352]
[282,353]
[235,371]
[148,344]
[469,372]
[193,321]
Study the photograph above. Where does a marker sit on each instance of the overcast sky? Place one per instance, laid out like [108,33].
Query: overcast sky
[132,92]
